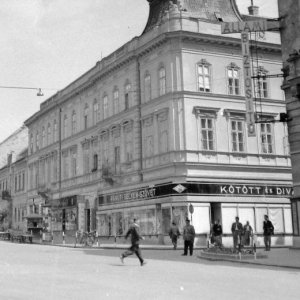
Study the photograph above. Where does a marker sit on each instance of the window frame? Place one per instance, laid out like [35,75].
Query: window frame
[235,87]
[204,64]
[162,80]
[265,146]
[238,132]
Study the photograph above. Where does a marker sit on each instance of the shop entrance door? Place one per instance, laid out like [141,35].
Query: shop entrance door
[63,220]
[88,220]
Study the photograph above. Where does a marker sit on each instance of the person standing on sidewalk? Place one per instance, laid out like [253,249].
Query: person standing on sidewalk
[133,232]
[268,231]
[217,232]
[174,234]
[188,237]
[237,229]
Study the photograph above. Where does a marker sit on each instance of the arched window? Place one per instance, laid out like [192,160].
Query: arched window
[204,78]
[147,87]
[74,122]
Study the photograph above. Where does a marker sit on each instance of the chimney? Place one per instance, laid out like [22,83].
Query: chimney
[253,9]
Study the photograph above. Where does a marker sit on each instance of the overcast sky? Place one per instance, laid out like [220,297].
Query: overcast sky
[50,43]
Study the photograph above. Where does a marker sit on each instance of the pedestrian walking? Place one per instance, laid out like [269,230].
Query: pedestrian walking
[188,237]
[133,232]
[236,229]
[174,233]
[217,232]
[247,234]
[268,232]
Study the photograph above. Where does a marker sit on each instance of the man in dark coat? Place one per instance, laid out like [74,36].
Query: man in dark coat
[268,231]
[188,237]
[237,230]
[217,232]
[133,232]
[174,234]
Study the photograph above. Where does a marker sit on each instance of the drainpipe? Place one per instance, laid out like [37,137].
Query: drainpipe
[138,91]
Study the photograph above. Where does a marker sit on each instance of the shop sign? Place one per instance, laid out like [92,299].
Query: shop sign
[196,189]
[64,202]
[236,27]
[131,195]
[255,190]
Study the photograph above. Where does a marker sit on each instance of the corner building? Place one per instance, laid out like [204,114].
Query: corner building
[157,131]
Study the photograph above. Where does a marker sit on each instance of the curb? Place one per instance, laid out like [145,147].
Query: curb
[248,262]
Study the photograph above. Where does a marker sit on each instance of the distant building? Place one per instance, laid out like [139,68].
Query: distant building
[157,131]
[13,182]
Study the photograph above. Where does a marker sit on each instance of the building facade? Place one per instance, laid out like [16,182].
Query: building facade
[13,180]
[157,131]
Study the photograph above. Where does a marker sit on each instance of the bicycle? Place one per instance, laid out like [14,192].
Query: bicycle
[86,238]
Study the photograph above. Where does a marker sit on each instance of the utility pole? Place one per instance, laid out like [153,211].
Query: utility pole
[289,15]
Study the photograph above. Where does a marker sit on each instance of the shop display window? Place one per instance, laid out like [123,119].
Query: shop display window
[200,219]
[228,217]
[288,220]
[276,217]
[179,215]
[259,213]
[247,214]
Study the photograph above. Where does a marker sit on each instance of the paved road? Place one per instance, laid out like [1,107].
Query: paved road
[49,272]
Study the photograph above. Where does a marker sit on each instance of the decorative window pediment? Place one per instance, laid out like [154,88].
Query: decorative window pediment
[203,61]
[201,110]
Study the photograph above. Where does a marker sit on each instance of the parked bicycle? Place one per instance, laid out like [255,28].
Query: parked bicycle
[85,238]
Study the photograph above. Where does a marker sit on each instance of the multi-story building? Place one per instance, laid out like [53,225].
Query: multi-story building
[157,131]
[13,186]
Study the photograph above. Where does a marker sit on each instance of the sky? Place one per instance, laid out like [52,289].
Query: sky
[49,43]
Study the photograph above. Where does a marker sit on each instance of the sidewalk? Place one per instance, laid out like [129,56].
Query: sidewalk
[277,257]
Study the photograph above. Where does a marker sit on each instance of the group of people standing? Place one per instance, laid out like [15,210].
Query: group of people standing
[241,236]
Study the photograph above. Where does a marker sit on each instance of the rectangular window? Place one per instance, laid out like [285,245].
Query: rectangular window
[117,158]
[147,88]
[126,101]
[95,162]
[162,81]
[233,81]
[74,164]
[237,136]
[266,138]
[116,101]
[128,152]
[207,133]
[149,146]
[261,85]
[105,107]
[204,78]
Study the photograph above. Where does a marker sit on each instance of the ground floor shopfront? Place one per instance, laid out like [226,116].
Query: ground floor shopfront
[156,207]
